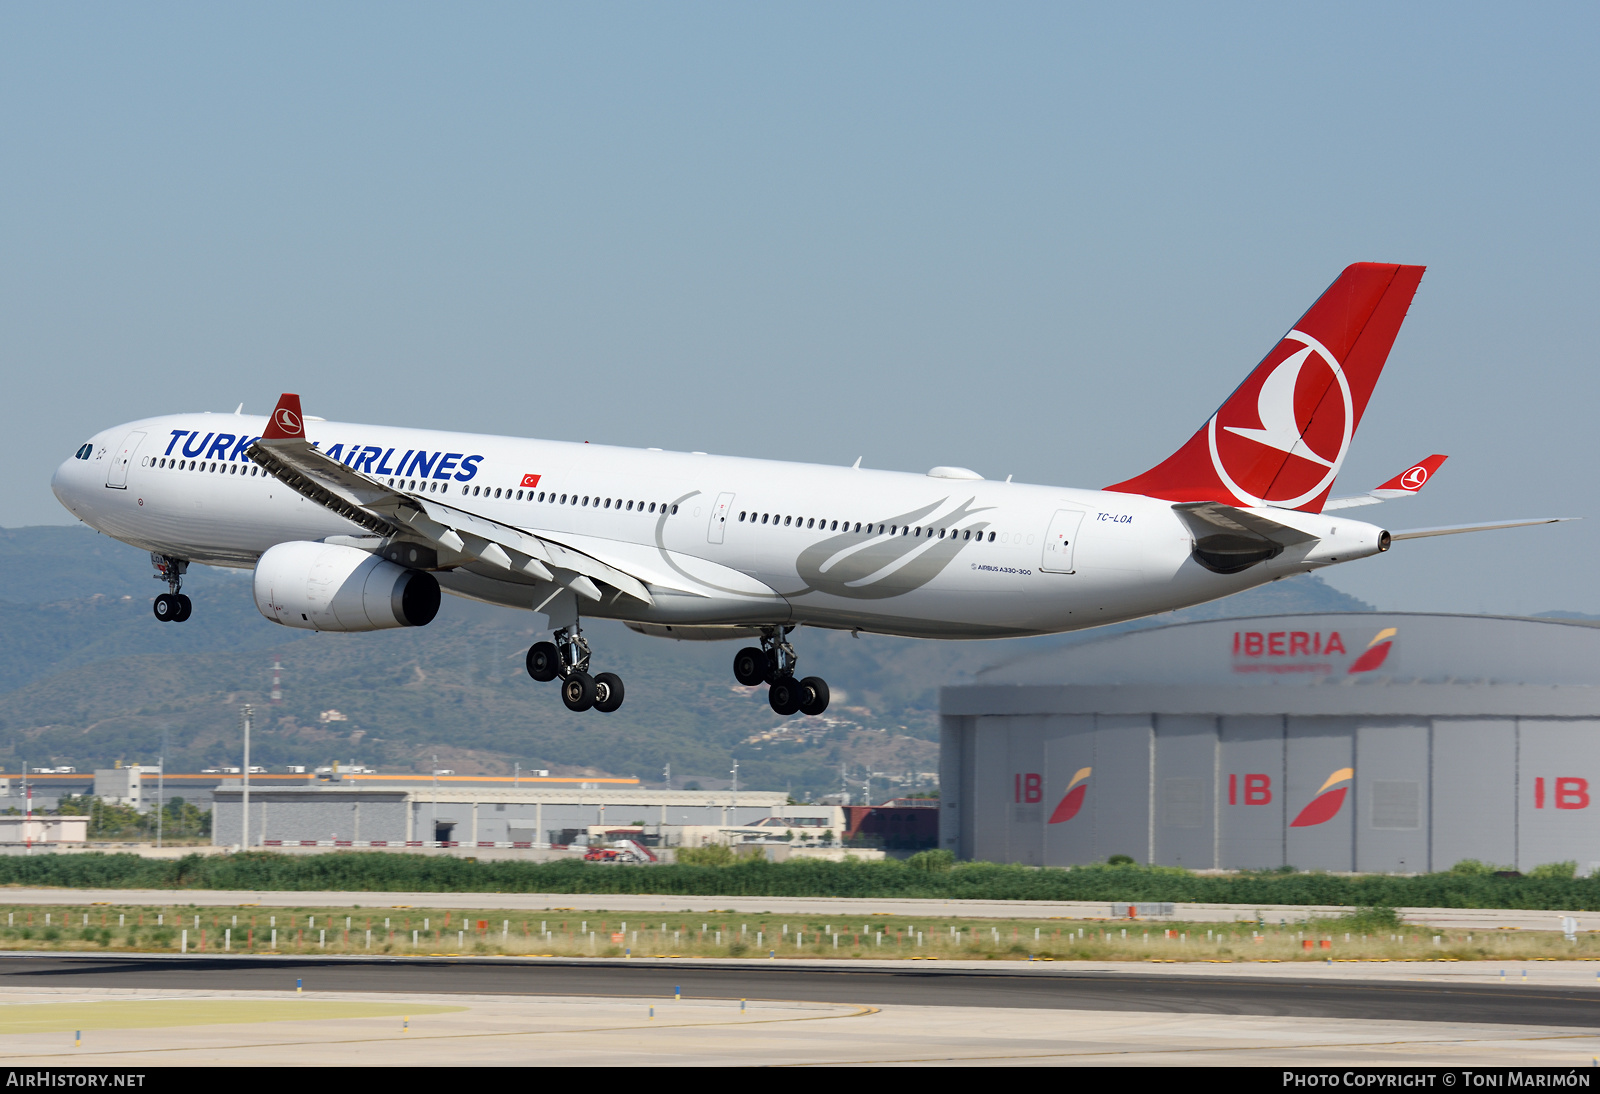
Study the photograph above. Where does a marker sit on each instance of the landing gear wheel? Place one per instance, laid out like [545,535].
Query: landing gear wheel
[577,691]
[750,666]
[785,696]
[815,692]
[544,662]
[185,609]
[607,692]
[166,607]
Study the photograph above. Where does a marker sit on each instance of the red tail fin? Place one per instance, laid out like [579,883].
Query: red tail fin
[1283,434]
[286,420]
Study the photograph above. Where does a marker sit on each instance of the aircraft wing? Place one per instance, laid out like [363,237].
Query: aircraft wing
[1404,485]
[453,533]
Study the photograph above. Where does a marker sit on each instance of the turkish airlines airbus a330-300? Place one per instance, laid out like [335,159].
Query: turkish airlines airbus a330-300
[359,527]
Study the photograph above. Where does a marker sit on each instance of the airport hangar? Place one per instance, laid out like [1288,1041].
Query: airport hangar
[1368,741]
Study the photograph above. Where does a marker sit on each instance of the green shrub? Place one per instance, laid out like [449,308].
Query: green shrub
[1555,870]
[1120,860]
[933,862]
[717,854]
[1370,920]
[723,871]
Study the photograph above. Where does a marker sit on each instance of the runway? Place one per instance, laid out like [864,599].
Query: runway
[1040,987]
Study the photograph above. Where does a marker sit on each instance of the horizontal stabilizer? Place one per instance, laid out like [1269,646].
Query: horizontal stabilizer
[1456,529]
[1206,518]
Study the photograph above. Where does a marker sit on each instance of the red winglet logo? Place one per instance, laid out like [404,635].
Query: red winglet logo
[1072,801]
[1325,806]
[286,421]
[1411,479]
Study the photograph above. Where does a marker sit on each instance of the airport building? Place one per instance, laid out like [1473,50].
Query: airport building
[1360,741]
[365,812]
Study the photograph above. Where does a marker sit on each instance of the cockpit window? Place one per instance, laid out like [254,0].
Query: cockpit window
[84,451]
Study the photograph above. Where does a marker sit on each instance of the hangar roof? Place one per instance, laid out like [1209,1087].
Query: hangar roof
[1332,663]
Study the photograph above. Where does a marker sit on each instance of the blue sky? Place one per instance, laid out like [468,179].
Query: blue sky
[1040,240]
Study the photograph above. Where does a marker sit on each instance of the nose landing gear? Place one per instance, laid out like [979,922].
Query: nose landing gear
[773,663]
[568,658]
[173,606]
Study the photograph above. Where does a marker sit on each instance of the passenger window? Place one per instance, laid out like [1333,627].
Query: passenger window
[629,507]
[674,511]
[787,521]
[652,507]
[835,527]
[991,537]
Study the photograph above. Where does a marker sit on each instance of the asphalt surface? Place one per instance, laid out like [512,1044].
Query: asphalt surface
[1046,989]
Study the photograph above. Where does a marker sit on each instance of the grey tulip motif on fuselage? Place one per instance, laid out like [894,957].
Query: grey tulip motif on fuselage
[842,564]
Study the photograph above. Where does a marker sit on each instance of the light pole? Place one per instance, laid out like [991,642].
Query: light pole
[161,785]
[244,825]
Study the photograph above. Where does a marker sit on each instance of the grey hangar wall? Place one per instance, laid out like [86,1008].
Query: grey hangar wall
[1359,741]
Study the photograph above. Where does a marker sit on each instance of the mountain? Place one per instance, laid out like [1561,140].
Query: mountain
[88,676]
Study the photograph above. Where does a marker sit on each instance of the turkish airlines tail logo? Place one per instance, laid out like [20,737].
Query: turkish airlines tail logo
[1327,803]
[1072,800]
[286,420]
[1283,434]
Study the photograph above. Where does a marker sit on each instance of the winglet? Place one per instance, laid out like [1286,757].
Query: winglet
[1412,478]
[286,422]
[1404,485]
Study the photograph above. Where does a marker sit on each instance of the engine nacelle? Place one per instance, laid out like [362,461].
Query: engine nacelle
[329,587]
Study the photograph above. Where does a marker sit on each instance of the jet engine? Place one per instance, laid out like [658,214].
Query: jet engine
[330,587]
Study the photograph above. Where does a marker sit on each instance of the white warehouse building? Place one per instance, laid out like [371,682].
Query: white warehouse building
[1352,741]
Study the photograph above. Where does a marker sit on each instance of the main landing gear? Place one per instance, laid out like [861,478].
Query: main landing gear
[568,658]
[171,607]
[773,663]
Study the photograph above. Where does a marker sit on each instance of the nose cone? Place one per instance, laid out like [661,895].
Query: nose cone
[67,484]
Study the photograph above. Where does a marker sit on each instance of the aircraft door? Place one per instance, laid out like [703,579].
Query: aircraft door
[719,518]
[117,473]
[1061,541]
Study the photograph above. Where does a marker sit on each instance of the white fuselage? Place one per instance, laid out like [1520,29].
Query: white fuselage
[720,540]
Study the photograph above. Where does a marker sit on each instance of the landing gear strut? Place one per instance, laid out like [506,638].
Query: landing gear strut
[773,663]
[172,606]
[568,658]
